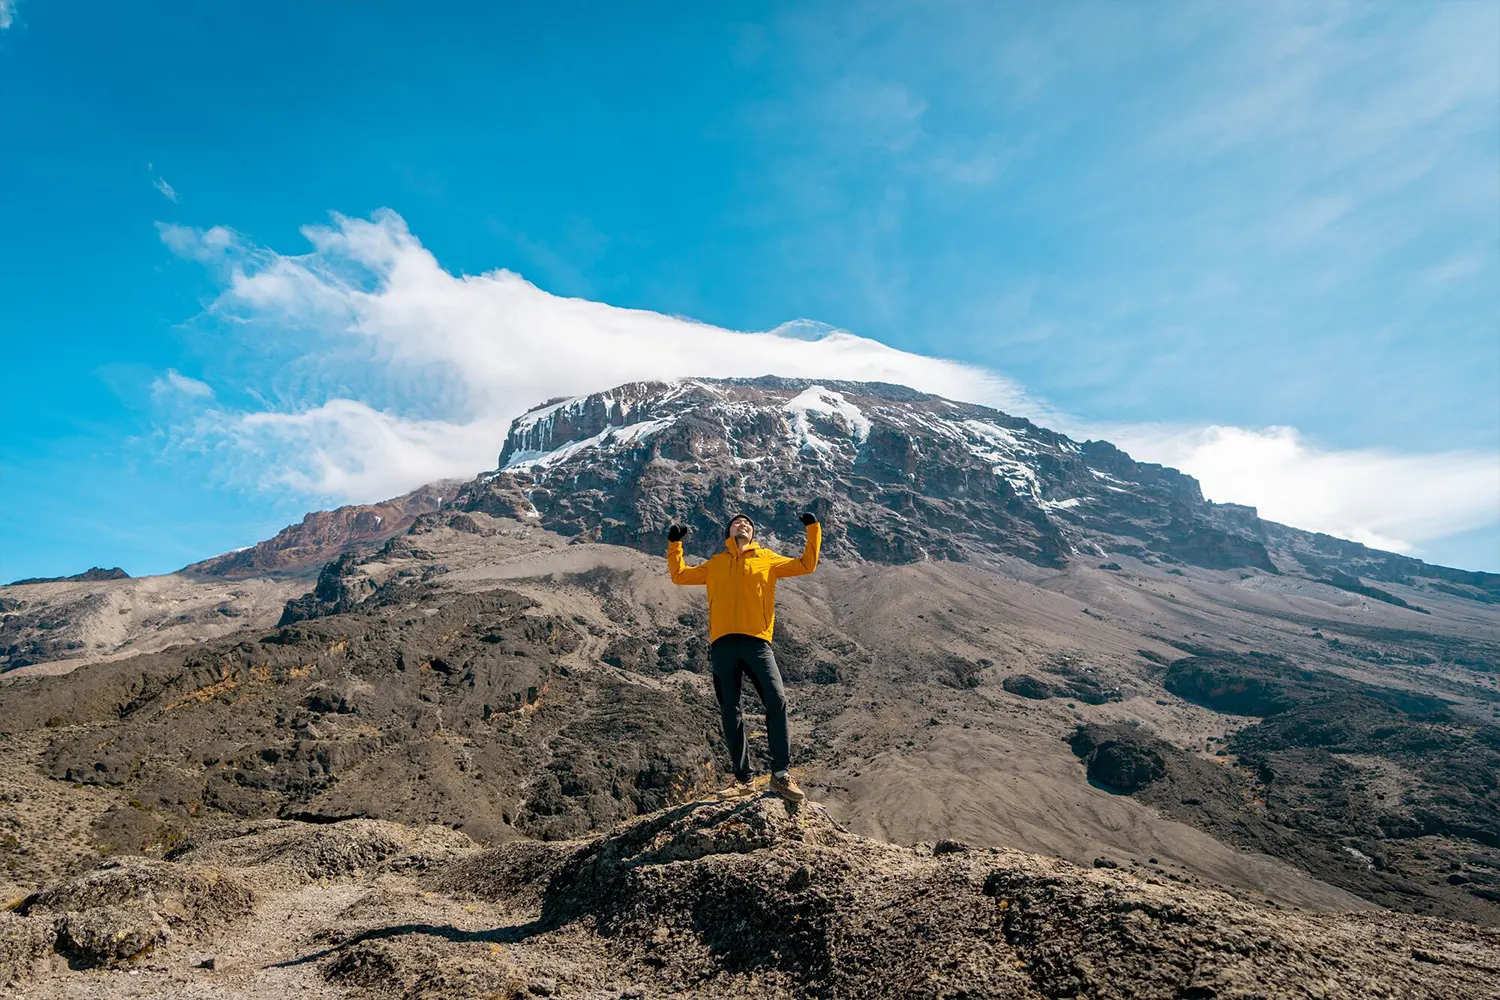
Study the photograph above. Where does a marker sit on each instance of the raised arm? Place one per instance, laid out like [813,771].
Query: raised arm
[787,566]
[683,574]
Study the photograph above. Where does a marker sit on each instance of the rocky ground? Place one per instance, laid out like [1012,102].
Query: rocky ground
[513,683]
[749,897]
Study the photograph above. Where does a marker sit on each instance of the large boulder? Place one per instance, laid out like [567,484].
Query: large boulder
[129,906]
[1119,758]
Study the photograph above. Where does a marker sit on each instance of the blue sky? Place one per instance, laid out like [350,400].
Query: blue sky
[1258,241]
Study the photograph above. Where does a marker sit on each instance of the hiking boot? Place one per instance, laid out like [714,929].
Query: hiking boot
[737,788]
[786,786]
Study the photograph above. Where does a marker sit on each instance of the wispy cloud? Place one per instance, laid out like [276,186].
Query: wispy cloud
[1346,113]
[385,371]
[161,185]
[1454,269]
[207,246]
[7,13]
[176,383]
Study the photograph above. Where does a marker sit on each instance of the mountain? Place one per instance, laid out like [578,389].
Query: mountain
[899,475]
[323,534]
[1016,641]
[87,576]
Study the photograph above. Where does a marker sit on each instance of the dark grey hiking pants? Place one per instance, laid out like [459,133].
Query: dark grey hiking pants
[732,656]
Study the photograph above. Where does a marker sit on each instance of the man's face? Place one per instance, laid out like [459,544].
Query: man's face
[741,530]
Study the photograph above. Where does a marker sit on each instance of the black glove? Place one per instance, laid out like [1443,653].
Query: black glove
[676,533]
[809,519]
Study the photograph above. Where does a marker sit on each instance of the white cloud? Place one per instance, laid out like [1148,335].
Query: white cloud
[161,185]
[444,362]
[348,449]
[7,13]
[204,245]
[401,373]
[1385,500]
[174,382]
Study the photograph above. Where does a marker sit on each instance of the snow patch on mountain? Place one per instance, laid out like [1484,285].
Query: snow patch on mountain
[824,401]
[607,439]
[1003,449]
[531,418]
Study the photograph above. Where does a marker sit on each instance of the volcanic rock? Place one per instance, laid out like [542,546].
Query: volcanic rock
[124,908]
[1119,764]
[325,534]
[87,576]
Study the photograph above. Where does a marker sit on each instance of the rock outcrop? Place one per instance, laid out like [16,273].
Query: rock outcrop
[325,534]
[121,911]
[751,897]
[92,575]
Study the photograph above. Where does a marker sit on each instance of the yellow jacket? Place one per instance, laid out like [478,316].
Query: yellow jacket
[742,584]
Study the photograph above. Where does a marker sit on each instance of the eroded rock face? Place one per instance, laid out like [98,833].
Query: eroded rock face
[1084,688]
[323,535]
[1124,766]
[1237,683]
[124,908]
[1027,686]
[340,588]
[897,475]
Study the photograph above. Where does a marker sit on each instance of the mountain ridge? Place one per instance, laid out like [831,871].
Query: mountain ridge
[926,478]
[697,423]
[322,535]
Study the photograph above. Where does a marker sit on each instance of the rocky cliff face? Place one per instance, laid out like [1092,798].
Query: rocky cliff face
[897,476]
[323,534]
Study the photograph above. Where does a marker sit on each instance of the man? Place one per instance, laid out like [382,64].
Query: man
[741,583]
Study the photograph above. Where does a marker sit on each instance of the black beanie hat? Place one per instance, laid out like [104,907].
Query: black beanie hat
[735,518]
